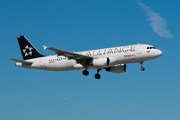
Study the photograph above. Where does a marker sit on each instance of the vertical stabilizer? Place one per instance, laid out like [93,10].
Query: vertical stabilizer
[27,49]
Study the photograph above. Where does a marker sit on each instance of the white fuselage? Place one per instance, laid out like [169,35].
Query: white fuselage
[120,55]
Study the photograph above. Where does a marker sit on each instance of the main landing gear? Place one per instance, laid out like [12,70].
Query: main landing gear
[97,75]
[85,72]
[142,68]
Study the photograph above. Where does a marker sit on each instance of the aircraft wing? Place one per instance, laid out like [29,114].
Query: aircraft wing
[82,59]
[21,61]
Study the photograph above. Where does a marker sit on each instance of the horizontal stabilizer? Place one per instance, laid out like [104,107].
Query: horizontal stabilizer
[21,61]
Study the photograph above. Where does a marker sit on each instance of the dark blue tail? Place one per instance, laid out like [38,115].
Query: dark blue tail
[27,49]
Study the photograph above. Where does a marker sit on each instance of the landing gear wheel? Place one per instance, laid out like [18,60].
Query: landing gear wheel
[85,72]
[97,76]
[142,68]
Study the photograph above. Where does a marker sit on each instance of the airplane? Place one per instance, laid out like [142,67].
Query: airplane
[111,59]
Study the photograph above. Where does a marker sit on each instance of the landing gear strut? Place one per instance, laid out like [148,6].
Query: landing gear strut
[142,68]
[98,76]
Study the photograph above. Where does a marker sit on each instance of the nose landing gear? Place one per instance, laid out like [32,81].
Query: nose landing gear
[142,68]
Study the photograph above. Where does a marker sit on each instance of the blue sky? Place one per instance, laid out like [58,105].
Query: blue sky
[85,25]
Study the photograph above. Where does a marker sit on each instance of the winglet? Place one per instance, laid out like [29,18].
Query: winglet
[44,47]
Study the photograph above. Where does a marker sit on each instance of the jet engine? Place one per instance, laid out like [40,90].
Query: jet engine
[101,62]
[117,68]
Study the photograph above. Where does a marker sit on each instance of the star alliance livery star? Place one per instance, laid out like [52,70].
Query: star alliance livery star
[111,59]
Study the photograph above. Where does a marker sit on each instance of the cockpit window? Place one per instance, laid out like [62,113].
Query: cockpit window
[151,48]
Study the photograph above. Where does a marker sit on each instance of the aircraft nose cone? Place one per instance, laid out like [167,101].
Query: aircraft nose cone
[159,53]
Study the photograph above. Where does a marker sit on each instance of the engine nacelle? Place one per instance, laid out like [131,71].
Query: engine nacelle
[101,62]
[117,69]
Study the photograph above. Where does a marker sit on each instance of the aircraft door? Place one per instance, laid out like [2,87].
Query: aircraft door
[138,49]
